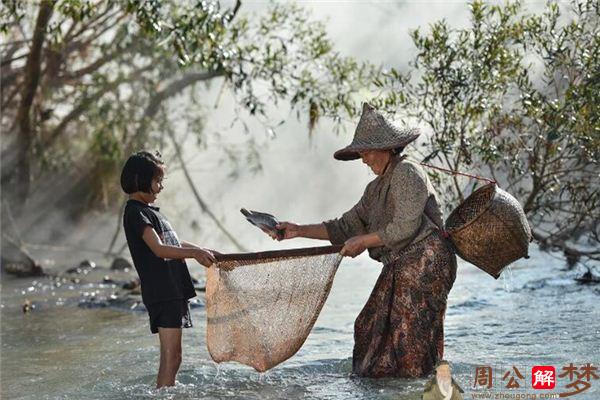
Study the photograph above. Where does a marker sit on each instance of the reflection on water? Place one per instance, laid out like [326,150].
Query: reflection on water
[537,315]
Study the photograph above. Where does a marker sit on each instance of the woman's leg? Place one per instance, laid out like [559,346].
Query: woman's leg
[170,356]
[417,317]
[399,332]
[371,334]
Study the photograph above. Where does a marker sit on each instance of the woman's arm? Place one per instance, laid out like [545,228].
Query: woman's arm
[313,231]
[357,244]
[352,247]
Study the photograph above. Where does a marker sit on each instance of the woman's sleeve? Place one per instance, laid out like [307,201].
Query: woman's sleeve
[408,196]
[353,222]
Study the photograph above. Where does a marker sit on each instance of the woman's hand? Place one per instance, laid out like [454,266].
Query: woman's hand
[204,257]
[354,246]
[290,230]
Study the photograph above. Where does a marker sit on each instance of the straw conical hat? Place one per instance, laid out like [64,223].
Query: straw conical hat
[374,132]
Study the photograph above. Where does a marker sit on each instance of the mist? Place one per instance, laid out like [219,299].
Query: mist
[299,179]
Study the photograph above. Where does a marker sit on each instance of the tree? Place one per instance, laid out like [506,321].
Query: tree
[85,83]
[517,97]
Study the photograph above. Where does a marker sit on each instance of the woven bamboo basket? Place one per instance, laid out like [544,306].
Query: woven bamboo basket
[489,229]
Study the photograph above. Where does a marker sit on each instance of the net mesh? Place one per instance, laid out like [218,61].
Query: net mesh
[262,306]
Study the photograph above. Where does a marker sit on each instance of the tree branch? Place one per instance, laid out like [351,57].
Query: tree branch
[82,107]
[8,61]
[201,202]
[547,240]
[94,65]
[70,35]
[171,90]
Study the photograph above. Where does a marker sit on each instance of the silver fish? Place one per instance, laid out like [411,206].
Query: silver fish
[263,221]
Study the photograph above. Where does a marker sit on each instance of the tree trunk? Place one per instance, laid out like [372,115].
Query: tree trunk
[18,183]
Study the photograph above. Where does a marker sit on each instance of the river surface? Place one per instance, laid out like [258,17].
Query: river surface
[535,314]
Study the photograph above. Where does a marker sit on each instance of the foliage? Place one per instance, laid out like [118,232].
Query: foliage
[107,70]
[517,97]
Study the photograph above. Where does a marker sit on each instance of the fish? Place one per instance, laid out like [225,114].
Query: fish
[264,221]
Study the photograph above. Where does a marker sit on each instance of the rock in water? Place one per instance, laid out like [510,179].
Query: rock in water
[132,284]
[22,269]
[120,264]
[588,278]
[84,267]
[87,264]
[27,306]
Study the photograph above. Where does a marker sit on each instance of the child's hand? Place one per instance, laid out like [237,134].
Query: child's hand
[204,257]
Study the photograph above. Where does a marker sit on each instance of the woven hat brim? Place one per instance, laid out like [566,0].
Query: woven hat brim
[350,152]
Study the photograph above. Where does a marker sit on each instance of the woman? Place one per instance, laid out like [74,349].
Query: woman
[399,332]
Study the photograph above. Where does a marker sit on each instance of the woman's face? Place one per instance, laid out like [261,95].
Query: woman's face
[377,160]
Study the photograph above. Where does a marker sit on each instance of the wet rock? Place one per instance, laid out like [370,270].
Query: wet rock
[120,264]
[123,302]
[22,268]
[588,278]
[120,302]
[136,290]
[197,302]
[27,306]
[87,264]
[200,285]
[107,279]
[572,258]
[132,284]
[83,268]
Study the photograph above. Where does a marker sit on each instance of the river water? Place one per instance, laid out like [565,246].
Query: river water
[535,314]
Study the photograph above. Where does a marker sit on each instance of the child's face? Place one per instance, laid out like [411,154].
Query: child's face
[157,186]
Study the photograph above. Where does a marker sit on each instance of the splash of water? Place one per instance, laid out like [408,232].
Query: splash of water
[507,279]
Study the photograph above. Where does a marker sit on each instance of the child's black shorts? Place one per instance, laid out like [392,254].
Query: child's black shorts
[169,314]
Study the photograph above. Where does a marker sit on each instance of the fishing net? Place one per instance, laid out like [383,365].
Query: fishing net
[261,306]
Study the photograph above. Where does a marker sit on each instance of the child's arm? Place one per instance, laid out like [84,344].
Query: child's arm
[195,246]
[161,250]
[189,245]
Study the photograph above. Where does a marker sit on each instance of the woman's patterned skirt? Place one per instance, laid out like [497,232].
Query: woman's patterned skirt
[400,331]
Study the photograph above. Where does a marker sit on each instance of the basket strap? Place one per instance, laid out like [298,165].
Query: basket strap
[480,178]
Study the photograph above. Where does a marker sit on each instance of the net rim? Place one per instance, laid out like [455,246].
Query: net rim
[284,253]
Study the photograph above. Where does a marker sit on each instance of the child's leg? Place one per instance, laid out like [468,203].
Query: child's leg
[170,356]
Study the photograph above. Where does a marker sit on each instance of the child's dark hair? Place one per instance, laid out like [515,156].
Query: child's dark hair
[139,170]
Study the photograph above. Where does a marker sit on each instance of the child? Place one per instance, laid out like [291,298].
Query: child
[158,256]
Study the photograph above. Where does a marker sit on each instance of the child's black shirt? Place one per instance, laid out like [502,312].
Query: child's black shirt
[161,279]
